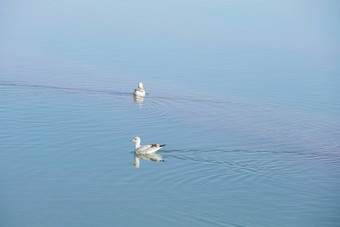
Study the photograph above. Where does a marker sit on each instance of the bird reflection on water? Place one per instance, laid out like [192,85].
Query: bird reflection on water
[152,157]
[139,100]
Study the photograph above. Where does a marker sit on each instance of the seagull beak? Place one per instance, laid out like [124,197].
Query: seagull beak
[131,140]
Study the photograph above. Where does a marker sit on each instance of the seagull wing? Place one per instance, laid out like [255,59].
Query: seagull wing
[146,149]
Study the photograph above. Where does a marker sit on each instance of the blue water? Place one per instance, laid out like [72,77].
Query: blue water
[245,95]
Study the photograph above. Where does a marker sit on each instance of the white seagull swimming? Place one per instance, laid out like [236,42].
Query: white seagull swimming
[140,90]
[145,149]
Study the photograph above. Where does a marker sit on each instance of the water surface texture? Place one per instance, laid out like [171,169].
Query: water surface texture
[244,94]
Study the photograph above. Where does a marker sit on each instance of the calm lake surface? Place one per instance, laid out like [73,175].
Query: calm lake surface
[251,119]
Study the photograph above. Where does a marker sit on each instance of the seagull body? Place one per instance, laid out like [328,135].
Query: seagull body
[145,149]
[140,90]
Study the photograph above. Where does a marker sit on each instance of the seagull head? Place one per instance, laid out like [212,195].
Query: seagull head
[140,85]
[136,139]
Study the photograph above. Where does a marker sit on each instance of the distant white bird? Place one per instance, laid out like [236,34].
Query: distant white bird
[140,90]
[145,149]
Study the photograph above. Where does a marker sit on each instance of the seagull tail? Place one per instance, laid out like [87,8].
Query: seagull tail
[162,145]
